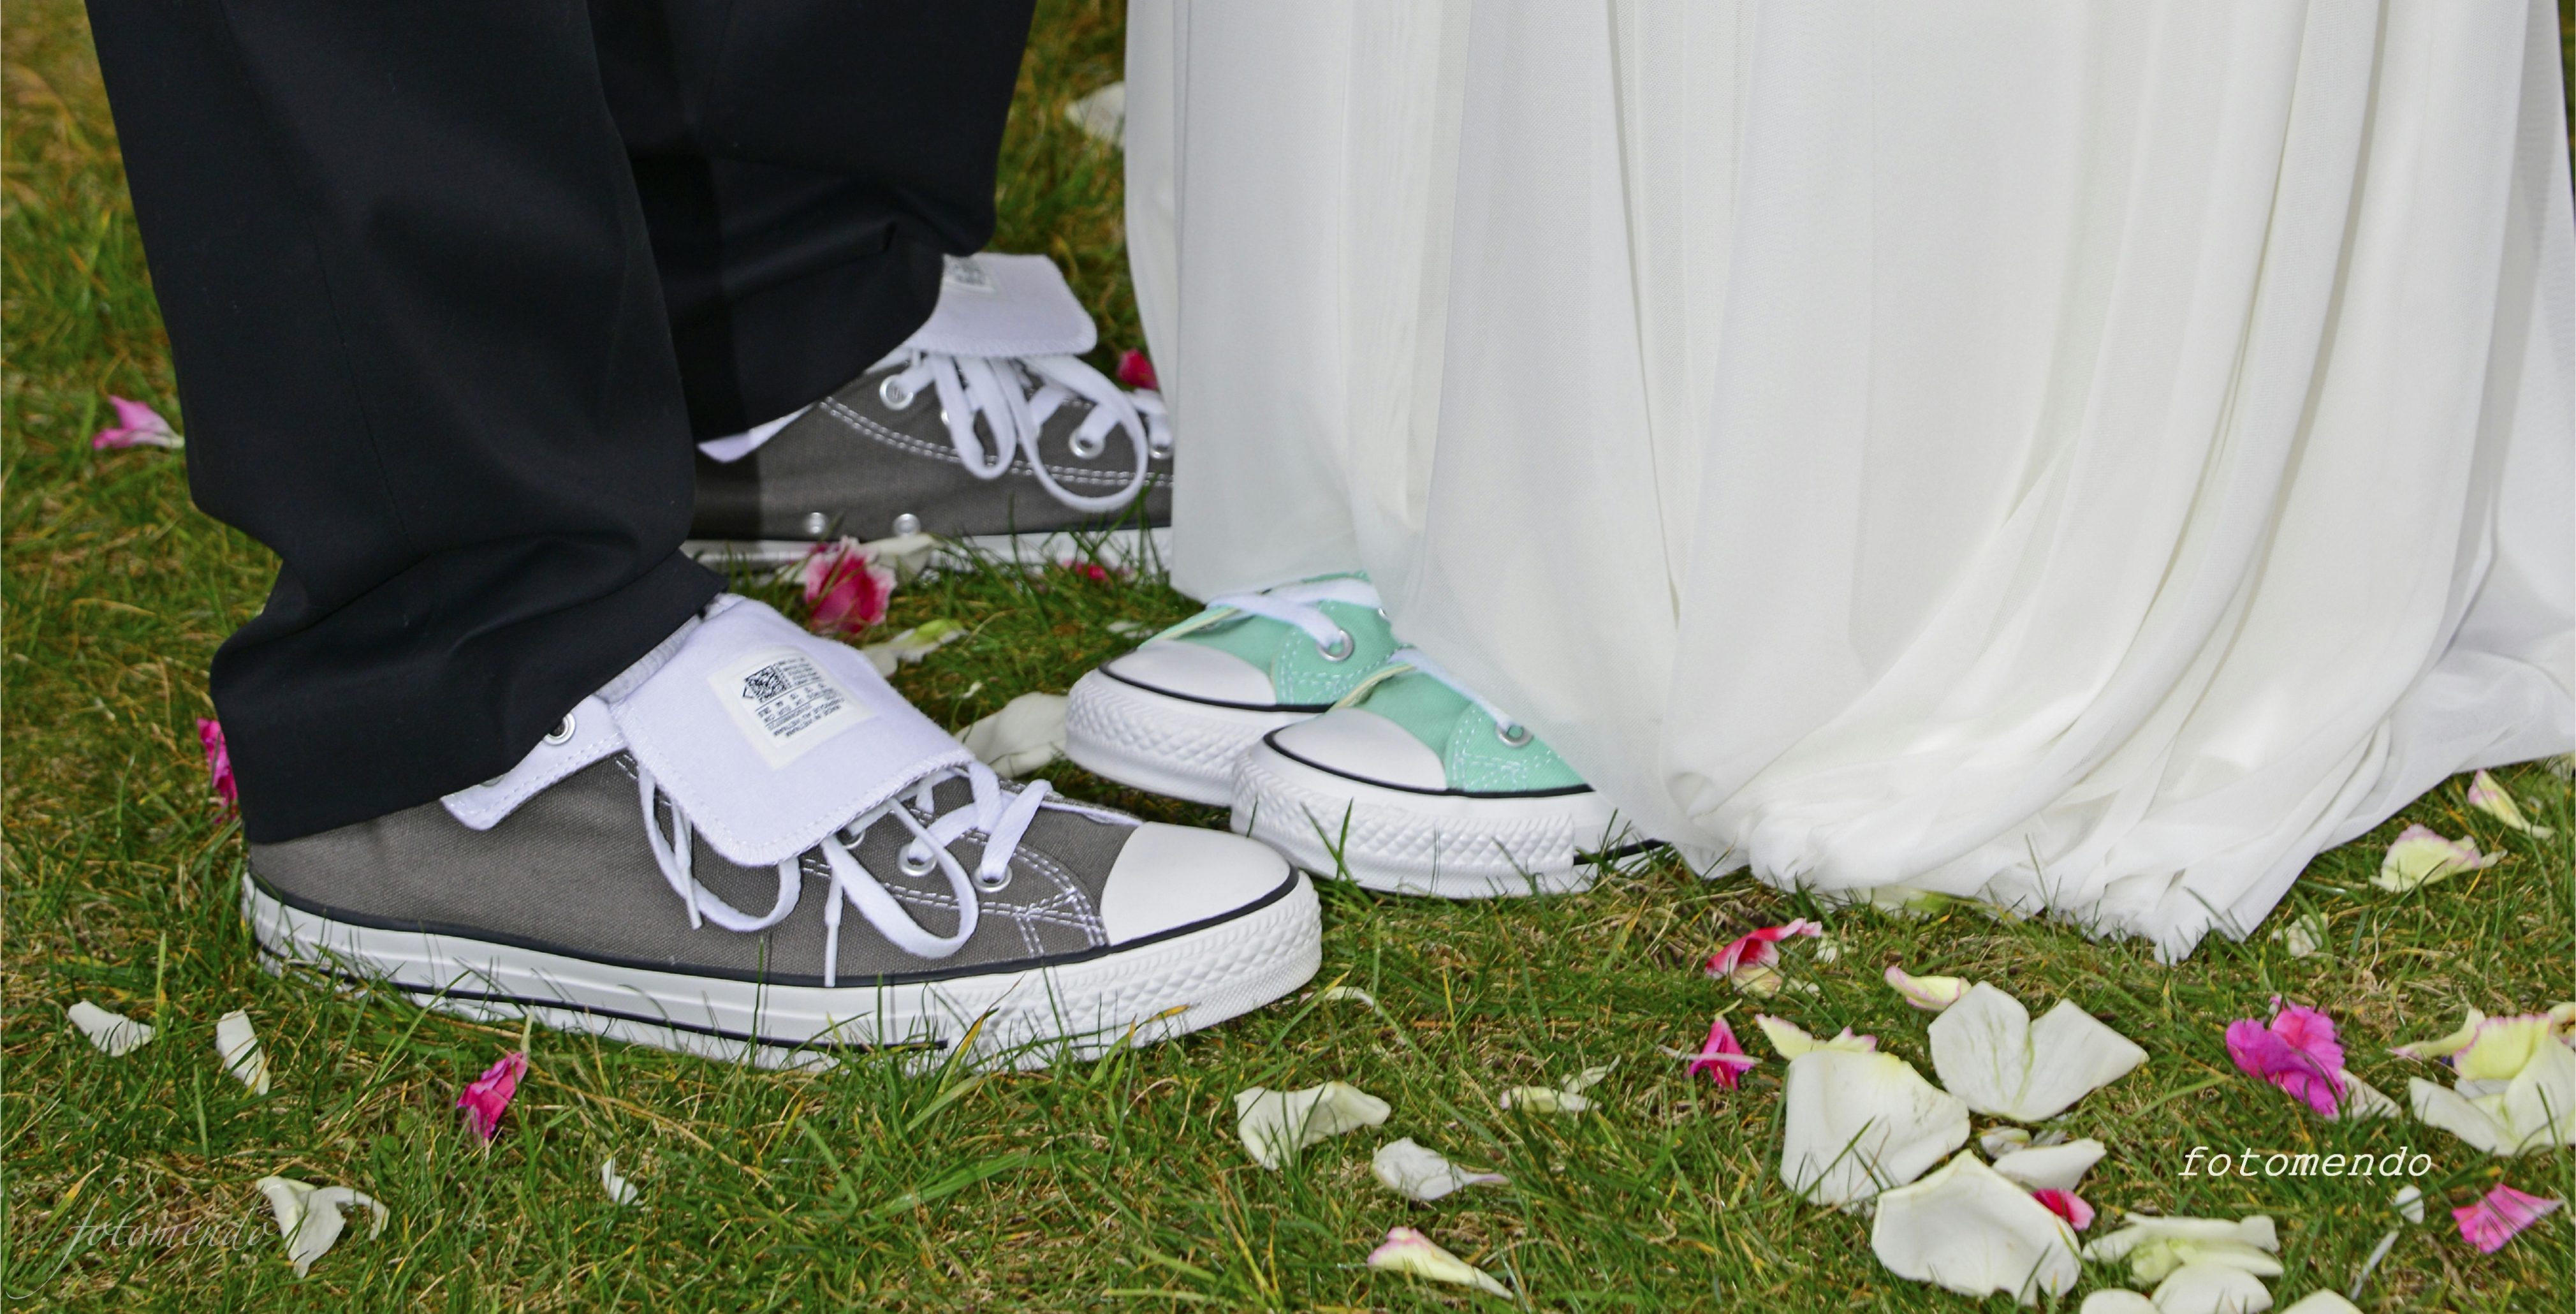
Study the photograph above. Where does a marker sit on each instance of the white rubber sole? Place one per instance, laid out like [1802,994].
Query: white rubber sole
[1161,744]
[1068,1011]
[1129,547]
[1449,846]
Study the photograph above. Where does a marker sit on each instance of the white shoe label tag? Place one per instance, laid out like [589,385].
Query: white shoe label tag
[962,273]
[783,703]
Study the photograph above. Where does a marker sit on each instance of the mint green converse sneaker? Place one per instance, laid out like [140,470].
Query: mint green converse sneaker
[1413,785]
[1172,716]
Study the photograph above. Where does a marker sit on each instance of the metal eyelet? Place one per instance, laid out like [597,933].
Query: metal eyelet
[1089,446]
[1340,649]
[817,524]
[992,884]
[917,860]
[907,523]
[1513,735]
[895,395]
[562,733]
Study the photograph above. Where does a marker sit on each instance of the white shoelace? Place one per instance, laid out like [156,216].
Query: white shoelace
[1003,816]
[1292,604]
[1418,662]
[1015,396]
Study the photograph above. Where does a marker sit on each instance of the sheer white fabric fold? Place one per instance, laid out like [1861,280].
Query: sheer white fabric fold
[2091,457]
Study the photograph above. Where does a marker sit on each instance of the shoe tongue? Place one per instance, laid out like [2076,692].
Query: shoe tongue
[1425,707]
[770,738]
[1005,305]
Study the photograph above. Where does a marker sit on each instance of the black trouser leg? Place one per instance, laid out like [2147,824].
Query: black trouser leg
[425,357]
[803,164]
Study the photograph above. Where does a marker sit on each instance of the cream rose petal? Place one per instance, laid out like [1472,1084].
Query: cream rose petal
[2420,857]
[1997,1061]
[2535,1110]
[1417,1173]
[2409,1203]
[1026,734]
[310,1217]
[1789,1040]
[1409,1251]
[2155,1246]
[620,1190]
[2051,1167]
[2304,936]
[1544,1099]
[2113,1300]
[2321,1301]
[1965,1228]
[1857,1124]
[112,1033]
[2491,798]
[239,1047]
[2445,1046]
[2000,1141]
[2212,1289]
[1929,993]
[1276,1125]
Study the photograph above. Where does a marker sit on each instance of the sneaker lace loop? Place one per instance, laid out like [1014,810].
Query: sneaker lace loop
[1294,604]
[1015,396]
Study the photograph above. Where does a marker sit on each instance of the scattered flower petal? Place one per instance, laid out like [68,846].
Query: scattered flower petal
[1128,629]
[2490,798]
[2489,1048]
[1345,994]
[910,646]
[309,1217]
[1417,1173]
[1102,116]
[2304,936]
[112,1033]
[1965,1229]
[1751,963]
[620,1190]
[238,1046]
[486,1097]
[2000,1141]
[2114,1300]
[1789,1040]
[2499,1216]
[1858,1123]
[1929,993]
[2533,1109]
[1544,1099]
[137,425]
[2409,1203]
[1721,1057]
[2298,1052]
[2321,1301]
[907,555]
[2420,857]
[2052,1167]
[2208,1288]
[1409,1251]
[846,588]
[1996,1060]
[219,763]
[1135,370]
[1276,1125]
[2157,1246]
[2067,1205]
[1026,734]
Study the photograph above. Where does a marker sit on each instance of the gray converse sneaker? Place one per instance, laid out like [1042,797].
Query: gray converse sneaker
[984,425]
[676,866]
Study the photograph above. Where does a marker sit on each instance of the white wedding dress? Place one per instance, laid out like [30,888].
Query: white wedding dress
[2083,456]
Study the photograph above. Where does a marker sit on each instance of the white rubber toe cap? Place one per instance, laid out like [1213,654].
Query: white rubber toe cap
[1195,670]
[1172,876]
[1363,745]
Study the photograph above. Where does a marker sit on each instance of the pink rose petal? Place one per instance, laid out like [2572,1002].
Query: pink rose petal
[1135,371]
[1748,961]
[2067,1205]
[2297,1052]
[846,588]
[2498,1217]
[219,762]
[137,425]
[1721,1057]
[488,1096]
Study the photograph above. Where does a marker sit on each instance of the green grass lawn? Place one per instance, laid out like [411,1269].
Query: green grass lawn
[1111,1185]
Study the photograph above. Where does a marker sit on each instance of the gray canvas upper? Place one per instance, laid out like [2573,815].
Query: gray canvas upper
[862,463]
[570,872]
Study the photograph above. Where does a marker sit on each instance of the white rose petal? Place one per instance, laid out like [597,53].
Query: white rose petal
[1929,993]
[2420,857]
[2304,937]
[1789,1040]
[2534,1110]
[2321,1301]
[1997,1061]
[1276,1125]
[1422,1174]
[1341,994]
[1857,1124]
[1543,1099]
[1966,1229]
[113,1033]
[2156,1246]
[309,1217]
[1026,734]
[907,555]
[2052,1167]
[910,646]
[239,1047]
[620,1190]
[2000,1141]
[1409,1251]
[1102,115]
[2212,1289]
[2409,1203]
[2113,1300]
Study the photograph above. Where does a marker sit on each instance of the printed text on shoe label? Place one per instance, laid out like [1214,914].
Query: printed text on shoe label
[784,703]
